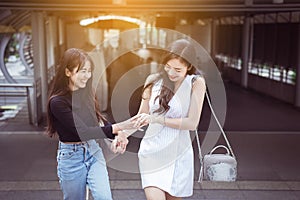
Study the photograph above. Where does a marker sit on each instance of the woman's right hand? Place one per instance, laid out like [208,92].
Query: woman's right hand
[144,119]
[119,143]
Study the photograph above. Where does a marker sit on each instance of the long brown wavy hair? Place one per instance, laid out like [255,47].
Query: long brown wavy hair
[71,59]
[167,91]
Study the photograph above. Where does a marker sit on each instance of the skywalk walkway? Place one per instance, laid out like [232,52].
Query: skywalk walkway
[263,132]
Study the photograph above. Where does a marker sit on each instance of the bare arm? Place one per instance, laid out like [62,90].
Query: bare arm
[188,123]
[144,106]
[191,121]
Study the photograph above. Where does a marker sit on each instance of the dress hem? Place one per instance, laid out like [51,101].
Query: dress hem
[181,196]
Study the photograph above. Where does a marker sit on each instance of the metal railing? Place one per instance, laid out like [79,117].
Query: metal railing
[274,72]
[23,92]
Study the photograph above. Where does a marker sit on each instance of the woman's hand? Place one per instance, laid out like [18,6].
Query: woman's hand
[120,142]
[116,147]
[114,144]
[141,120]
[144,119]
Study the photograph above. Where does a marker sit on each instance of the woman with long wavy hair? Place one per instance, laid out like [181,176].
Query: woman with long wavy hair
[74,117]
[171,104]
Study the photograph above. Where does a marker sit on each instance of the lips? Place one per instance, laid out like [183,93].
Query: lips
[81,83]
[172,77]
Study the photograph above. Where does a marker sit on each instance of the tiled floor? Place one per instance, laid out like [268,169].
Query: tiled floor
[263,132]
[139,195]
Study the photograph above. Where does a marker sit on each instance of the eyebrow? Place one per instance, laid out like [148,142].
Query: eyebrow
[86,68]
[179,68]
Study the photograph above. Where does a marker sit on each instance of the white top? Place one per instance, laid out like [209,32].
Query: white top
[166,158]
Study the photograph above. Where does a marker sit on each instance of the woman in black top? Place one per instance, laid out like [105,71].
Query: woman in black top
[74,116]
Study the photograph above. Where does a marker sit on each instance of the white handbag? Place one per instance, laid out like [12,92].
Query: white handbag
[217,167]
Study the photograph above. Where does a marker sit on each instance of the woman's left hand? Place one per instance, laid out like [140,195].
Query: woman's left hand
[117,147]
[120,142]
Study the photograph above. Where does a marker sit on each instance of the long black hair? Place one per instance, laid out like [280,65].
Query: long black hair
[71,59]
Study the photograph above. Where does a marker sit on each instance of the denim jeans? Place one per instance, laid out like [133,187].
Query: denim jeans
[76,168]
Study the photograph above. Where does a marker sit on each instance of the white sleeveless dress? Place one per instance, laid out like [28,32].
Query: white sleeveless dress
[166,157]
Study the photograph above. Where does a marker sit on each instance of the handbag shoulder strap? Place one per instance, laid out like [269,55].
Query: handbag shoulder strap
[200,178]
[219,125]
[201,173]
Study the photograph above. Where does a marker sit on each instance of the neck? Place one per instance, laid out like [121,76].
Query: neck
[72,87]
[177,85]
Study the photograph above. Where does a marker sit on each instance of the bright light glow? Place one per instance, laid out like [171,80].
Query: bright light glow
[119,2]
[183,22]
[200,22]
[89,21]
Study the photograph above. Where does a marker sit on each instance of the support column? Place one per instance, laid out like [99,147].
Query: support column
[61,38]
[4,40]
[40,67]
[213,28]
[297,88]
[245,51]
[52,46]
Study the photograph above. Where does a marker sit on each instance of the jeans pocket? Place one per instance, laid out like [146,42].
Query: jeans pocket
[64,154]
[70,165]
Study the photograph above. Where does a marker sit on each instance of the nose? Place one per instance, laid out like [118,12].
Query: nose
[88,75]
[171,72]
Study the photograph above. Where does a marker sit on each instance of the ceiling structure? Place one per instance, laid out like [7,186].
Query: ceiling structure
[15,14]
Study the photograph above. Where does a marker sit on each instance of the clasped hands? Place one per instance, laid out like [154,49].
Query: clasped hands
[131,125]
[118,145]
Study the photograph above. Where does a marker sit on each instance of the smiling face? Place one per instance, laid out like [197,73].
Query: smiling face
[176,70]
[79,78]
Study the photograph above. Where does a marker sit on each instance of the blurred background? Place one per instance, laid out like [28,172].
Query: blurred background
[254,43]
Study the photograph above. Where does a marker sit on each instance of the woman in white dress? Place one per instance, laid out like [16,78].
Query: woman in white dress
[171,104]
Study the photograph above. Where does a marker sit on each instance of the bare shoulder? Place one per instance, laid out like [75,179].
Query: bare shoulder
[199,84]
[147,90]
[199,80]
[151,78]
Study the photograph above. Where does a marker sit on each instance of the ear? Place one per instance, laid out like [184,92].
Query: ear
[67,72]
[189,67]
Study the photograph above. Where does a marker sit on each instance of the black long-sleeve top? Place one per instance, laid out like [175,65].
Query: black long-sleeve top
[74,118]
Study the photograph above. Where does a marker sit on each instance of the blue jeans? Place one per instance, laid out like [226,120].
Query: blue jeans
[76,168]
